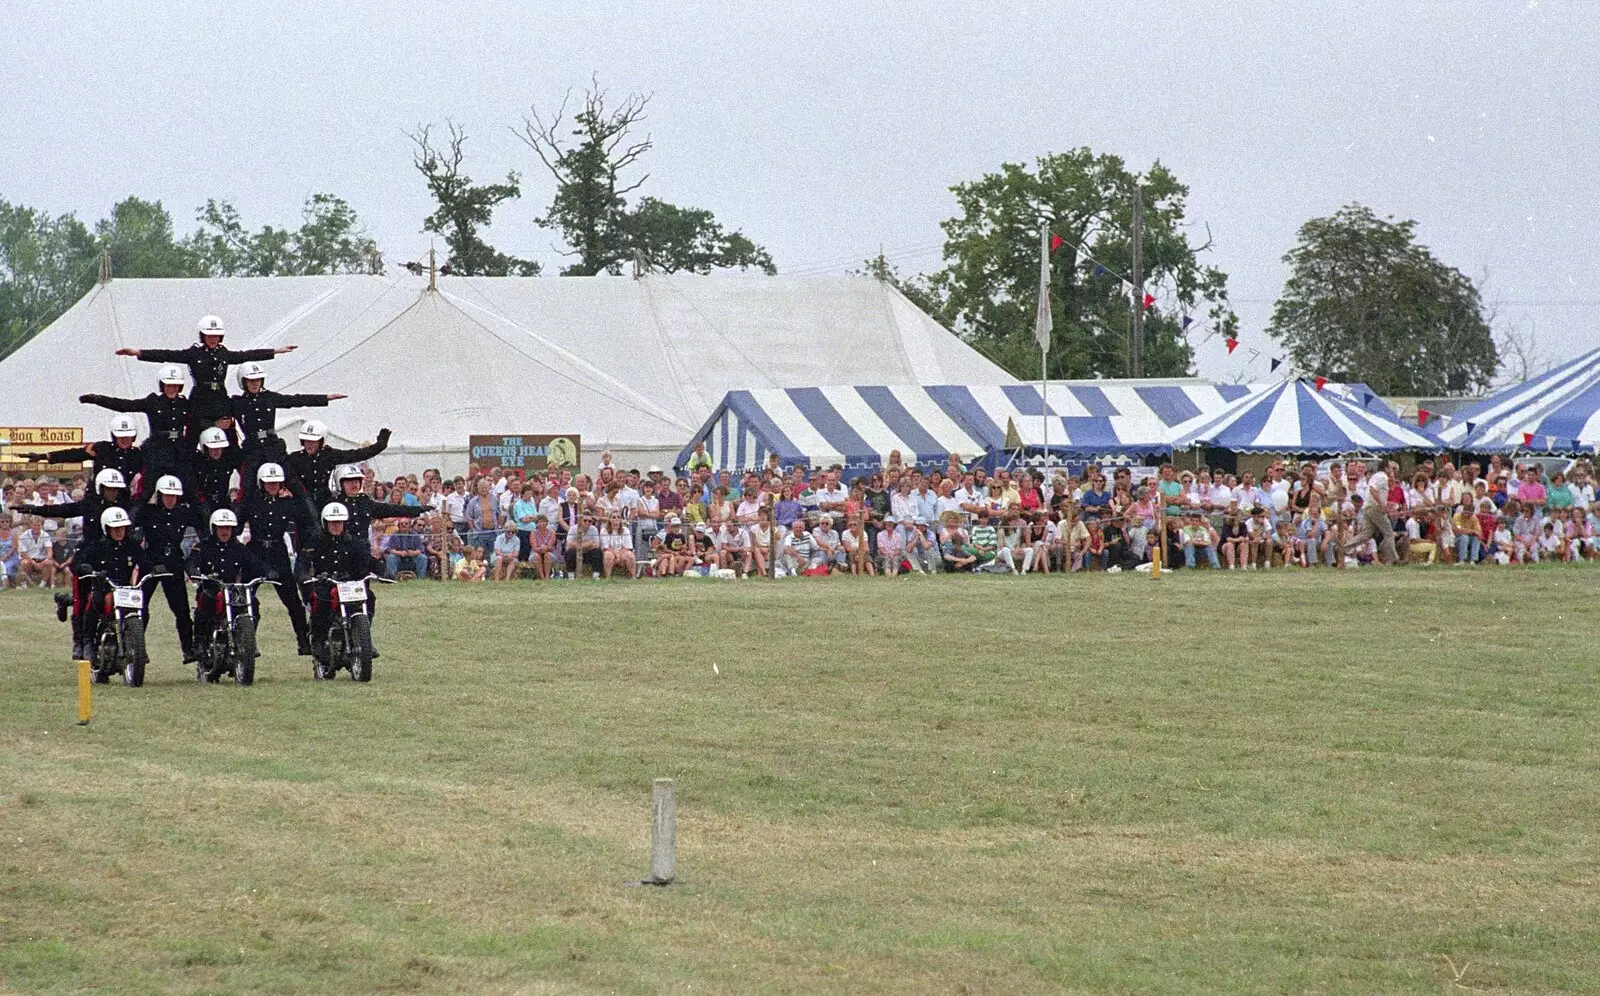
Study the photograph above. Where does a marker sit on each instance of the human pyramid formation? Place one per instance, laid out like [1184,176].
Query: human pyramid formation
[307,507]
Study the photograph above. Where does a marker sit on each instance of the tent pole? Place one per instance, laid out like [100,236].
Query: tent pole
[1044,402]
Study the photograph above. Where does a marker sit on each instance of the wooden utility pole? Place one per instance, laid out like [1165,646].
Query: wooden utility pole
[433,271]
[1137,346]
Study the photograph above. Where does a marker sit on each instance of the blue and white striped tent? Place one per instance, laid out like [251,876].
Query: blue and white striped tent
[859,426]
[1295,418]
[1559,409]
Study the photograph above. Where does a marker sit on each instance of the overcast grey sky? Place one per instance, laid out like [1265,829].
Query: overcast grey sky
[827,129]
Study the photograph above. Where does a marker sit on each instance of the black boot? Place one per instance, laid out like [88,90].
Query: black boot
[63,605]
[305,646]
[189,656]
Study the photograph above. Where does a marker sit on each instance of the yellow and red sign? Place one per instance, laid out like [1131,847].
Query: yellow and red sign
[15,439]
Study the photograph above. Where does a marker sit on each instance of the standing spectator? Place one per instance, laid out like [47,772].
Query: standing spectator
[484,518]
[524,513]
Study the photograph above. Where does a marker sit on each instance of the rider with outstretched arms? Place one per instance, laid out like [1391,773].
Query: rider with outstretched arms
[208,361]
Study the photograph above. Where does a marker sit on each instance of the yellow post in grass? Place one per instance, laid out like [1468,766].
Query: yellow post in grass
[1161,539]
[85,694]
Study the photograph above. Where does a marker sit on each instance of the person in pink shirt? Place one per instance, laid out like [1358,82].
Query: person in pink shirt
[1530,491]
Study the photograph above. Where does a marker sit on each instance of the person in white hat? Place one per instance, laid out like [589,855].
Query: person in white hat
[211,467]
[255,411]
[167,412]
[208,361]
[116,453]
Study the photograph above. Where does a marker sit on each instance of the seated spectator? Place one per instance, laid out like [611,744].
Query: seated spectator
[829,544]
[471,566]
[922,547]
[542,547]
[404,552]
[892,547]
[1234,538]
[761,541]
[672,548]
[857,549]
[1198,536]
[985,542]
[957,552]
[507,552]
[616,547]
[1469,535]
[799,552]
[444,548]
[583,549]
[1524,533]
[33,551]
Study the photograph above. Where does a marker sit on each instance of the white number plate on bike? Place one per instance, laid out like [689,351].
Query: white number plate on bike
[127,598]
[352,591]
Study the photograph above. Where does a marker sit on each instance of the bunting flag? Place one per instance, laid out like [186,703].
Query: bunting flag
[1253,354]
[1187,321]
[1527,439]
[1470,427]
[1321,382]
[1366,398]
[1149,299]
[1056,242]
[1549,442]
[1042,321]
[1577,444]
[1422,417]
[1232,344]
[1276,363]
[1099,271]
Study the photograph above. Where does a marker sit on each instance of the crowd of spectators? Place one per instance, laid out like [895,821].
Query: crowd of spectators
[494,525]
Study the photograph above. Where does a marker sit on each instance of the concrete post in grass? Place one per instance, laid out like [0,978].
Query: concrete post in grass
[663,832]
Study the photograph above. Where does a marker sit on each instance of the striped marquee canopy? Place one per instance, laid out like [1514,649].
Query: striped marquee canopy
[1559,410]
[1295,417]
[860,426]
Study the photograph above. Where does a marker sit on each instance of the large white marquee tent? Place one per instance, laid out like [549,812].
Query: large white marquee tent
[631,365]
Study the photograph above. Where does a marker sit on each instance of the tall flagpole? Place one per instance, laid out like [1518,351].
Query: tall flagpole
[1043,322]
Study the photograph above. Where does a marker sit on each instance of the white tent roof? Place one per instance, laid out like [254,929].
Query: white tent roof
[631,363]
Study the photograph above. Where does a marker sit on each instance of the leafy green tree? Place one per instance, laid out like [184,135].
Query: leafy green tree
[988,289]
[464,207]
[140,238]
[46,263]
[330,240]
[590,207]
[1365,302]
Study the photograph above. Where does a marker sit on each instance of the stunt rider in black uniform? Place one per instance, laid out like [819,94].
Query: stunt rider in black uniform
[110,492]
[337,554]
[120,559]
[256,413]
[163,526]
[165,449]
[223,557]
[117,453]
[316,460]
[211,466]
[361,510]
[208,362]
[272,514]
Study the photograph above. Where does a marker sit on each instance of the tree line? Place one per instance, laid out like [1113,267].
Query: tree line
[1364,301]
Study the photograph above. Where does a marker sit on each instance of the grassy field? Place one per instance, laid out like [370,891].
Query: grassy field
[1363,782]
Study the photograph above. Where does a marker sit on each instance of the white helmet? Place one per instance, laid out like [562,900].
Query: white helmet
[171,374]
[212,325]
[270,473]
[344,472]
[114,517]
[313,430]
[169,485]
[335,512]
[223,517]
[214,438]
[109,478]
[124,425]
[252,371]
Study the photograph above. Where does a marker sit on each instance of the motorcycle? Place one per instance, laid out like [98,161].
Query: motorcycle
[118,645]
[348,642]
[230,648]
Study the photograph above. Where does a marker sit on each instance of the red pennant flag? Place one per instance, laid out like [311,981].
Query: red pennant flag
[1321,382]
[1527,439]
[1055,242]
[1149,299]
[1233,344]
[1422,417]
